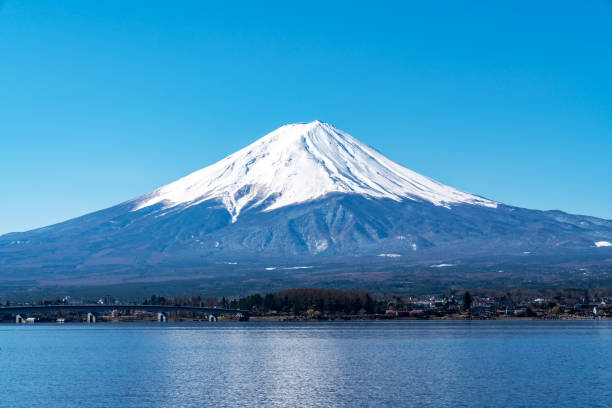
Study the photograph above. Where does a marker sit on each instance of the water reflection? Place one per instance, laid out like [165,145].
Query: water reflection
[321,364]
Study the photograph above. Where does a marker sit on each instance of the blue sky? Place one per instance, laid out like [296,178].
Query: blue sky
[103,101]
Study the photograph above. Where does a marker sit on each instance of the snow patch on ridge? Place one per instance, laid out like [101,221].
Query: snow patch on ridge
[287,268]
[298,163]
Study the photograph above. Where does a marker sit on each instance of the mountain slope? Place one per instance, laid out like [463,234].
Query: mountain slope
[303,193]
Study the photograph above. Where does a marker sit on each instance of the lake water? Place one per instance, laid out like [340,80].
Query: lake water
[348,364]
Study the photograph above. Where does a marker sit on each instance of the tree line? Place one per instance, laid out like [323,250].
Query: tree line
[299,301]
[295,301]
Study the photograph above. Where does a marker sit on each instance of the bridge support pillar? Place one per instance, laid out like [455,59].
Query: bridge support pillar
[212,318]
[161,317]
[91,318]
[19,319]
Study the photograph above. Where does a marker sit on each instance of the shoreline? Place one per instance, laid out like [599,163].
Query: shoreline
[263,319]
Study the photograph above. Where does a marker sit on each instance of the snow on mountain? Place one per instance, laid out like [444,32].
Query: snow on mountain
[301,162]
[305,194]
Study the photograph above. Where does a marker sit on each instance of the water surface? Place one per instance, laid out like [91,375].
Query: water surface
[347,364]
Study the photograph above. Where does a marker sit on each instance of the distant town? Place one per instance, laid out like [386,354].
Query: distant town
[319,304]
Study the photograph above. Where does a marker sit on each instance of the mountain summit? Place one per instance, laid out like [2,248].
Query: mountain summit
[306,193]
[300,162]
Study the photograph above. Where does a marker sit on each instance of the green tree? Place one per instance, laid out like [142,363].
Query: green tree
[268,302]
[466,303]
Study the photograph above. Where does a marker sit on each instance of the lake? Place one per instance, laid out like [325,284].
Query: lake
[343,364]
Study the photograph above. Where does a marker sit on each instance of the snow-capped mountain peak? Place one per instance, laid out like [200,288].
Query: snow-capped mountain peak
[300,162]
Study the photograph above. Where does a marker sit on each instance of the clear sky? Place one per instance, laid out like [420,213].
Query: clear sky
[101,101]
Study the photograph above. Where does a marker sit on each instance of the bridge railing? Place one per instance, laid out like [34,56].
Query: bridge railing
[102,308]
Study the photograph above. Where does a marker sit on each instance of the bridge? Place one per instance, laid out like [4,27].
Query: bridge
[92,310]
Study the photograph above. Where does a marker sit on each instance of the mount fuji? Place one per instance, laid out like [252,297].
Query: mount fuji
[303,194]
